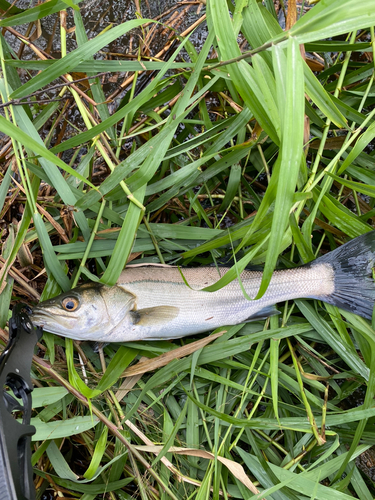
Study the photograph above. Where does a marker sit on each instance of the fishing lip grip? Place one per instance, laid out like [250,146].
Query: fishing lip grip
[16,481]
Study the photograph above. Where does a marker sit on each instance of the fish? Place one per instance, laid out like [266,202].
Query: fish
[151,302]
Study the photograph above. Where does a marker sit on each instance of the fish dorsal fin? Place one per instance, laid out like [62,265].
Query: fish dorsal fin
[264,313]
[158,315]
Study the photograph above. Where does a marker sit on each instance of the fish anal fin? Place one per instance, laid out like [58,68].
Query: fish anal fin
[158,315]
[264,313]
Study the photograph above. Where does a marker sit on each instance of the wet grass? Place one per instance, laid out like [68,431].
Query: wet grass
[259,143]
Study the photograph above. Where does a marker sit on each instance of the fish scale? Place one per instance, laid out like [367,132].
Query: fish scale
[200,310]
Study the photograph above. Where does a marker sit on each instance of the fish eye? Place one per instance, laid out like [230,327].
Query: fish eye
[70,304]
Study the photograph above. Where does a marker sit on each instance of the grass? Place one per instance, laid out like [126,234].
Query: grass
[258,144]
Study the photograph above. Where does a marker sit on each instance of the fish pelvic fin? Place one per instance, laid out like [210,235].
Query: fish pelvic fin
[151,316]
[354,285]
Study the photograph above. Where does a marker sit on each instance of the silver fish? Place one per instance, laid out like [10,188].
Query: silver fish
[153,302]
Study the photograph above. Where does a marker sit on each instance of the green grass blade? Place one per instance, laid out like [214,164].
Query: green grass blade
[99,450]
[35,13]
[120,361]
[241,73]
[50,260]
[291,154]
[358,147]
[125,240]
[8,128]
[328,19]
[74,58]
[321,98]
[356,186]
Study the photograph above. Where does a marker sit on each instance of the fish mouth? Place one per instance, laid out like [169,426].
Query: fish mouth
[46,323]
[38,317]
[48,320]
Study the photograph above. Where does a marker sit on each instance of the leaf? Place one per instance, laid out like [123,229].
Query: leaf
[98,66]
[341,216]
[5,295]
[74,378]
[166,448]
[123,357]
[70,3]
[303,249]
[43,396]
[88,489]
[19,135]
[322,99]
[59,463]
[164,359]
[235,468]
[303,483]
[35,13]
[9,8]
[356,186]
[124,243]
[291,153]
[328,19]
[96,88]
[346,352]
[358,147]
[74,58]
[4,187]
[62,428]
[219,351]
[259,26]
[99,450]
[274,373]
[50,260]
[241,73]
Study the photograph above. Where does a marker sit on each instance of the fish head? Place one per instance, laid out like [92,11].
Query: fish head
[88,312]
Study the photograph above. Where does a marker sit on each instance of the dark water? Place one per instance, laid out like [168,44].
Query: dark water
[101,15]
[98,16]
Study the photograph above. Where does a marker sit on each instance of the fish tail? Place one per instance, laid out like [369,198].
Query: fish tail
[354,285]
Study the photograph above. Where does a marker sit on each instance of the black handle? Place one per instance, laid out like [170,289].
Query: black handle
[15,437]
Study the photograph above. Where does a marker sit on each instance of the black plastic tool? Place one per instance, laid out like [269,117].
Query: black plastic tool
[15,430]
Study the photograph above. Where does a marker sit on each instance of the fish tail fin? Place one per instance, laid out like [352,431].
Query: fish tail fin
[354,285]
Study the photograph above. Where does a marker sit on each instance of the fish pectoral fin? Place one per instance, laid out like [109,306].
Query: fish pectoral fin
[264,313]
[154,315]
